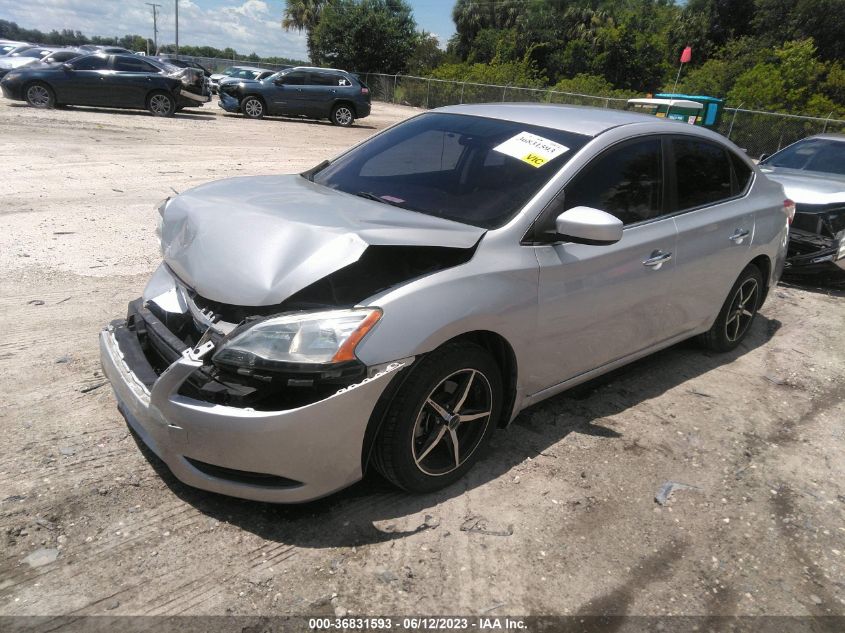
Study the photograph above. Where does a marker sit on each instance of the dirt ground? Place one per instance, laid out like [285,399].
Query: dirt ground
[559,518]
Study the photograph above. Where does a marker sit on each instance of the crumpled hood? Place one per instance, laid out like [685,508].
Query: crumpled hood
[806,187]
[257,240]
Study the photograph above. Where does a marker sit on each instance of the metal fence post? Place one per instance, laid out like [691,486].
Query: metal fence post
[427,92]
[463,85]
[393,96]
[824,129]
[731,128]
[606,104]
[504,92]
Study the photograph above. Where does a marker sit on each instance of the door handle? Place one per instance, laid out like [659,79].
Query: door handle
[657,259]
[739,236]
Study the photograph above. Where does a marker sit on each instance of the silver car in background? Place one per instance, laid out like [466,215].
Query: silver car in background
[394,306]
[812,172]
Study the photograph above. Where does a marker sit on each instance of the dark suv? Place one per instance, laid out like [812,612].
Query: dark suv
[314,93]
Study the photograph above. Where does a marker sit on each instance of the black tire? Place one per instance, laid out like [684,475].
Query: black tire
[738,312]
[415,446]
[343,115]
[160,103]
[39,95]
[253,108]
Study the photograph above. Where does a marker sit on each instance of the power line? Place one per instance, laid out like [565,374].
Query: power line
[155,8]
[177,28]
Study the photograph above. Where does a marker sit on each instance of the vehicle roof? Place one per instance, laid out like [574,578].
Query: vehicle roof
[672,95]
[828,136]
[252,68]
[669,102]
[567,118]
[331,70]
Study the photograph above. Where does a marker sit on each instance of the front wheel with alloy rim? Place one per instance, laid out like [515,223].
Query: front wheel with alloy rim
[40,95]
[441,418]
[342,115]
[737,313]
[253,108]
[161,104]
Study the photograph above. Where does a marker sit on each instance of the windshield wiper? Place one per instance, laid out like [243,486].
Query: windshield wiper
[374,196]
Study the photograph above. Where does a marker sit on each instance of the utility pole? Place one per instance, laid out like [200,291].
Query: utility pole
[155,7]
[177,29]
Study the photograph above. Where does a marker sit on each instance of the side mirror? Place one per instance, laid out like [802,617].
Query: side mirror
[585,225]
[67,67]
[279,82]
[763,157]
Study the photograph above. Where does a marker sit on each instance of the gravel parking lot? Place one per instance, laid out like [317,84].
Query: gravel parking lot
[559,518]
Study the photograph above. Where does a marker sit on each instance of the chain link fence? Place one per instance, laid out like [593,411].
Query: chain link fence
[755,131]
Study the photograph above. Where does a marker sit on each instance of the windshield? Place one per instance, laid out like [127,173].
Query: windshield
[469,169]
[814,154]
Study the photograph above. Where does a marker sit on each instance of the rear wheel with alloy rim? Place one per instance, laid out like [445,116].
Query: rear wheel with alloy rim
[342,115]
[441,419]
[161,104]
[738,312]
[40,95]
[253,108]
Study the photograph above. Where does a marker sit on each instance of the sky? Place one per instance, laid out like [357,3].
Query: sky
[245,25]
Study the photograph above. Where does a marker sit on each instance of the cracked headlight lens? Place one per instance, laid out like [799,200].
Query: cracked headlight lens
[304,338]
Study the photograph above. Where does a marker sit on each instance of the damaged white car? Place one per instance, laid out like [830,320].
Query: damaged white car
[394,306]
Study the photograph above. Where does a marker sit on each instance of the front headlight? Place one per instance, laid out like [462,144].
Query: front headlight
[305,338]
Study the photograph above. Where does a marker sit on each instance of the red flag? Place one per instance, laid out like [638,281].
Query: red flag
[686,56]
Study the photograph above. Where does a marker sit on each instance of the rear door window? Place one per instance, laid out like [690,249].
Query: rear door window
[321,79]
[130,65]
[92,62]
[294,79]
[626,181]
[702,173]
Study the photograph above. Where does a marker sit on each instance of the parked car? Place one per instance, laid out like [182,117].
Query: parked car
[315,93]
[36,55]
[113,81]
[392,307]
[238,72]
[812,172]
[9,46]
[183,63]
[106,50]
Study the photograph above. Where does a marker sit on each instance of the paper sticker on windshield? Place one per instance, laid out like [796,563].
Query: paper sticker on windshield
[532,149]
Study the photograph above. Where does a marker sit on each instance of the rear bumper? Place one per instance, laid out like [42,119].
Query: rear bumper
[277,456]
[362,110]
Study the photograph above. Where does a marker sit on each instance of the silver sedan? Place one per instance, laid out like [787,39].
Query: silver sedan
[394,306]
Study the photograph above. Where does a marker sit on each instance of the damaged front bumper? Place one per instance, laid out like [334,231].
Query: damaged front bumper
[286,456]
[817,241]
[228,102]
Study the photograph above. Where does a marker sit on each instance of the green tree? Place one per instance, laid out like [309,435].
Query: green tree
[473,16]
[303,15]
[365,35]
[427,54]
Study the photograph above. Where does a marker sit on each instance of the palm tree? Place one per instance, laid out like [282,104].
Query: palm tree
[472,16]
[303,15]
